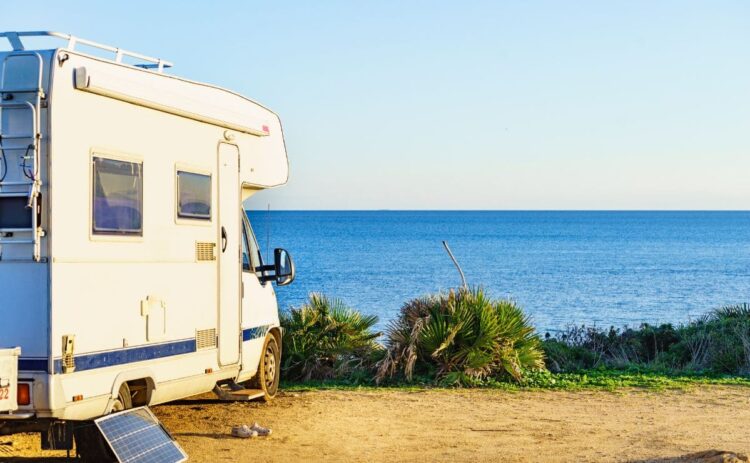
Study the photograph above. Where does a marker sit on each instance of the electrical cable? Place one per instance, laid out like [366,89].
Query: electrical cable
[23,165]
[4,162]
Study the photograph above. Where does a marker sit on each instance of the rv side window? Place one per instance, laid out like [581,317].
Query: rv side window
[118,197]
[193,195]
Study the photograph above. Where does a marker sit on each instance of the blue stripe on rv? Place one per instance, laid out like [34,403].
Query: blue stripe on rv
[256,332]
[130,355]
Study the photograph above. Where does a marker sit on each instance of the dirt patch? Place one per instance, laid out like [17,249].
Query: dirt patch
[461,426]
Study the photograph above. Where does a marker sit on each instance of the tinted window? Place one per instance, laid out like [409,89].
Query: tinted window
[14,213]
[118,197]
[246,264]
[251,258]
[193,195]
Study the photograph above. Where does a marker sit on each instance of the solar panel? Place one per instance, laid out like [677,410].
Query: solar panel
[136,436]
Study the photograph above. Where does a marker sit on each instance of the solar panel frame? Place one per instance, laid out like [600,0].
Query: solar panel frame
[152,444]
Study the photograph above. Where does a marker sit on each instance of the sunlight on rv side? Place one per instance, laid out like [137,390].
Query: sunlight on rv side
[141,223]
[118,197]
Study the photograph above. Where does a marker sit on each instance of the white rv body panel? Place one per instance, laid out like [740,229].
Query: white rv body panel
[164,306]
[255,295]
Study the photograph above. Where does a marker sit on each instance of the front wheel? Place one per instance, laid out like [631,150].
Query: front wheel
[269,369]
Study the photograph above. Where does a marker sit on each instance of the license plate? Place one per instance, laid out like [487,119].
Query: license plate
[5,393]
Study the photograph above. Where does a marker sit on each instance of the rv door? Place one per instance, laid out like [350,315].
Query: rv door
[230,270]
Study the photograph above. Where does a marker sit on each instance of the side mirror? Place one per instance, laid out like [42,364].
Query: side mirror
[283,267]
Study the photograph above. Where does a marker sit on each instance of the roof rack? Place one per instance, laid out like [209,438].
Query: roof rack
[149,63]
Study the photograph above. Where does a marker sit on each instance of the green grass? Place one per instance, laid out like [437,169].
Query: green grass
[600,379]
[617,379]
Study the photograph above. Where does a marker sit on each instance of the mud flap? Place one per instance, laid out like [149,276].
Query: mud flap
[59,436]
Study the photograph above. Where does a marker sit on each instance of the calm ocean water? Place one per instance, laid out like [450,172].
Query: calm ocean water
[603,268]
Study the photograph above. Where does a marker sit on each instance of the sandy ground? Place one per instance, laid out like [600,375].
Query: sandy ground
[456,426]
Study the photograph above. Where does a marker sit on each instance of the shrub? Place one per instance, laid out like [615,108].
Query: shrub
[717,343]
[561,356]
[325,339]
[460,338]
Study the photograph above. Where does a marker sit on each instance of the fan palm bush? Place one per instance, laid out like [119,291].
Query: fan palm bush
[460,337]
[325,339]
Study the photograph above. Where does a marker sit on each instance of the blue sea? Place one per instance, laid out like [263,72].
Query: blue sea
[564,268]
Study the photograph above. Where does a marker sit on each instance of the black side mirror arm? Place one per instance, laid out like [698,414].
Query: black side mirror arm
[263,269]
[275,270]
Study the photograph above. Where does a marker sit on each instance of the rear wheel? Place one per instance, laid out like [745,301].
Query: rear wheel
[269,369]
[124,399]
[90,444]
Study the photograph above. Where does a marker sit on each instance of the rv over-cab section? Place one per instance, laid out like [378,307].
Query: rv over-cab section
[255,129]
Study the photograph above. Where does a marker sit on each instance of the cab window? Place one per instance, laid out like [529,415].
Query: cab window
[251,257]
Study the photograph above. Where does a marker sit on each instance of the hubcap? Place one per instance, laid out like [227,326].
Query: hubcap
[270,367]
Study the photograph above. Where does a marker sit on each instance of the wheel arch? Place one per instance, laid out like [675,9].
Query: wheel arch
[139,380]
[277,333]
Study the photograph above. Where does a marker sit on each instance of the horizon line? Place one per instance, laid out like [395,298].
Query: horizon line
[499,210]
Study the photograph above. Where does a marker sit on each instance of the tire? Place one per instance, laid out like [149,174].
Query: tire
[269,368]
[90,444]
[124,399]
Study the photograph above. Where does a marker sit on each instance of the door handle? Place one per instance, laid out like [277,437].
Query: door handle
[223,239]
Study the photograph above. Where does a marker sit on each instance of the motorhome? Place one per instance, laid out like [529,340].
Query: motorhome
[129,272]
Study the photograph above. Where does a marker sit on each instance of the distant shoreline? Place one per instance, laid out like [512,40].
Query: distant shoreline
[639,211]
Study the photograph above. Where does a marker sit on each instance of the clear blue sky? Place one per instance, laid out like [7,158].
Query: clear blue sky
[467,105]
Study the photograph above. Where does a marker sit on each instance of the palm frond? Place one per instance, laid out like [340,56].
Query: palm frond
[324,338]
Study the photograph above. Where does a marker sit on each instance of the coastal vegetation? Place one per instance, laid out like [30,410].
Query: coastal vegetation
[717,343]
[466,338]
[460,337]
[325,339]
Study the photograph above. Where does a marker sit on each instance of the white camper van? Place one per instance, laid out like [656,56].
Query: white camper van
[129,272]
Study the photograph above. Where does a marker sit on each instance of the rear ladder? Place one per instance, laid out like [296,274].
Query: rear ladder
[21,97]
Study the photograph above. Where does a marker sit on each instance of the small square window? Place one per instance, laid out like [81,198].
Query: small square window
[193,195]
[14,213]
[118,197]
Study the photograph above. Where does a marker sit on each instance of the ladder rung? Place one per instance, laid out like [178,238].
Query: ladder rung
[15,194]
[15,137]
[18,148]
[15,106]
[22,90]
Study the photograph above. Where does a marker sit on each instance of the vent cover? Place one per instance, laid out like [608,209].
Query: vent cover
[204,251]
[68,346]
[205,339]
